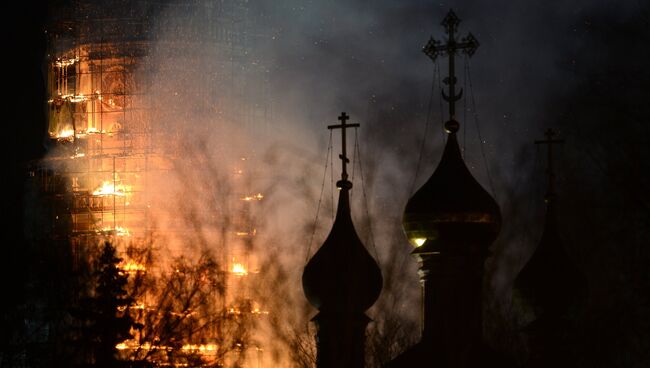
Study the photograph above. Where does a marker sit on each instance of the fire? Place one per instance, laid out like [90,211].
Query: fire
[118,230]
[76,98]
[121,231]
[200,348]
[68,134]
[139,305]
[246,233]
[239,269]
[65,134]
[112,188]
[65,62]
[132,267]
[132,345]
[69,98]
[203,349]
[257,311]
[254,197]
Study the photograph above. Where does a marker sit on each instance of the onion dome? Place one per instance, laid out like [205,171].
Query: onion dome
[451,208]
[342,276]
[548,281]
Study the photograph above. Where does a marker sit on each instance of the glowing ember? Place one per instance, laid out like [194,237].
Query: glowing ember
[239,269]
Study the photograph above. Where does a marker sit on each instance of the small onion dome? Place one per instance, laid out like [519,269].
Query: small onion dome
[549,283]
[342,277]
[451,208]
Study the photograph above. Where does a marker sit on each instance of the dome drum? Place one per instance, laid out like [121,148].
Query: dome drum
[445,232]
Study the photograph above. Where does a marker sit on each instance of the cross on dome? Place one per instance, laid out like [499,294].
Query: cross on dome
[343,118]
[434,48]
[549,142]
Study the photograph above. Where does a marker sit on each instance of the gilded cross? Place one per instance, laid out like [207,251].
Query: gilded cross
[343,126]
[433,49]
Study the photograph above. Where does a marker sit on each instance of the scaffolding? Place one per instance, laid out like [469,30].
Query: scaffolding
[111,137]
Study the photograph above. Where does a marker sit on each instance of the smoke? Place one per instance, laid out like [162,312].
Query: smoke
[304,63]
[530,68]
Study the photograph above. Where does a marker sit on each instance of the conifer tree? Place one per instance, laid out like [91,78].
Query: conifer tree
[107,321]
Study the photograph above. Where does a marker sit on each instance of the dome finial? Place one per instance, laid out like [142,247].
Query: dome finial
[549,141]
[433,48]
[343,118]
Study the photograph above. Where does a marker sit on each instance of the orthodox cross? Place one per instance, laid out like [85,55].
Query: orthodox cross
[549,141]
[343,126]
[434,48]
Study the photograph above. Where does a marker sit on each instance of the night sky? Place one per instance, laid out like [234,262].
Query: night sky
[580,67]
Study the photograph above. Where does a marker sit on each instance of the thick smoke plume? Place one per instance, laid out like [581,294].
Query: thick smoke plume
[540,64]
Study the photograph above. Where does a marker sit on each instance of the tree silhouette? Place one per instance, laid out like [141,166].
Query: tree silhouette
[104,317]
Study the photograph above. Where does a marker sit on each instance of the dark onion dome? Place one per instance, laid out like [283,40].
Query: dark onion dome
[548,283]
[342,276]
[451,208]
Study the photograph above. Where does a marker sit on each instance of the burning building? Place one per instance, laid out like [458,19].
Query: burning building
[123,106]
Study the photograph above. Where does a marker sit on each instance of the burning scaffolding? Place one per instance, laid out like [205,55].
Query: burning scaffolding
[114,145]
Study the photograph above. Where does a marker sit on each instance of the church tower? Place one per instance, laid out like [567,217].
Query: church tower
[342,280]
[451,220]
[548,285]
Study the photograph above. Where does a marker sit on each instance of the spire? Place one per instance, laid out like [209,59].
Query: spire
[343,118]
[549,284]
[451,198]
[342,280]
[433,49]
[549,142]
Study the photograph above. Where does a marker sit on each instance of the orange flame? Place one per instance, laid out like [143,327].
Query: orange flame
[239,269]
[111,188]
[132,267]
[60,62]
[63,134]
[118,230]
[254,197]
